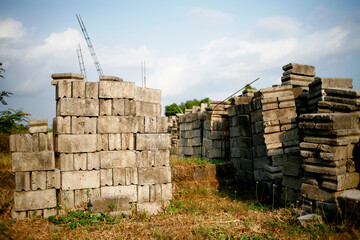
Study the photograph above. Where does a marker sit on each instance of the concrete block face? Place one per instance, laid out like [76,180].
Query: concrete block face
[117,159]
[115,124]
[92,90]
[93,161]
[53,179]
[115,141]
[150,124]
[106,177]
[129,107]
[119,176]
[102,204]
[45,141]
[127,141]
[155,175]
[78,107]
[162,158]
[63,89]
[147,109]
[143,193]
[166,191]
[112,89]
[80,161]
[67,199]
[145,159]
[50,212]
[131,176]
[33,200]
[22,181]
[120,191]
[148,95]
[78,89]
[80,197]
[155,193]
[65,162]
[105,107]
[62,125]
[118,107]
[33,161]
[80,180]
[152,141]
[75,143]
[102,142]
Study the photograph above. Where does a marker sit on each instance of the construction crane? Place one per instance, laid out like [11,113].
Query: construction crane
[81,62]
[91,48]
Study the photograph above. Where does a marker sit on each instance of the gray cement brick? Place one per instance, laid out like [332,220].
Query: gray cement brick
[46,142]
[162,158]
[80,161]
[50,212]
[127,141]
[93,161]
[105,107]
[343,182]
[115,141]
[120,191]
[22,181]
[116,124]
[148,95]
[112,89]
[333,83]
[80,180]
[147,109]
[131,176]
[284,113]
[75,143]
[162,124]
[65,162]
[316,193]
[152,141]
[119,176]
[62,125]
[92,90]
[63,89]
[106,177]
[53,179]
[33,161]
[155,193]
[324,170]
[143,193]
[150,124]
[21,215]
[77,107]
[78,89]
[33,200]
[145,158]
[117,159]
[300,69]
[80,197]
[154,175]
[102,142]
[166,191]
[67,199]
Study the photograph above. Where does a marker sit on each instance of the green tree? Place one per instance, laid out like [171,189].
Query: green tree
[174,108]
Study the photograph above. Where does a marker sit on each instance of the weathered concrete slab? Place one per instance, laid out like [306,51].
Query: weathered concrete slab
[117,159]
[77,107]
[75,143]
[80,180]
[148,95]
[116,89]
[129,192]
[300,69]
[33,161]
[116,124]
[152,141]
[154,175]
[33,200]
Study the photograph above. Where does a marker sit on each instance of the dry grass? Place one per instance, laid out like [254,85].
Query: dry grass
[192,214]
[5,161]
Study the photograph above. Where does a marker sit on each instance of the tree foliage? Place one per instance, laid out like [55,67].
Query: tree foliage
[174,108]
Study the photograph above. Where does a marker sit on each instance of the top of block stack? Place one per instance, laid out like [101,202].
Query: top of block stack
[332,83]
[298,74]
[38,126]
[66,77]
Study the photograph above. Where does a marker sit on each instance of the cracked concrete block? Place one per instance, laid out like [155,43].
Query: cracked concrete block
[152,141]
[148,95]
[143,193]
[93,161]
[92,90]
[117,159]
[63,89]
[120,191]
[22,181]
[127,141]
[33,161]
[102,142]
[80,161]
[78,89]
[114,141]
[67,199]
[53,179]
[116,124]
[147,109]
[77,107]
[131,176]
[80,180]
[65,162]
[154,175]
[119,176]
[114,89]
[75,143]
[38,180]
[105,107]
[33,200]
[62,125]
[106,177]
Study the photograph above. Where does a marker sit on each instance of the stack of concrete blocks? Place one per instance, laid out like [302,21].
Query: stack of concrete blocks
[216,144]
[111,144]
[241,138]
[36,178]
[174,134]
[333,95]
[298,75]
[329,155]
[275,136]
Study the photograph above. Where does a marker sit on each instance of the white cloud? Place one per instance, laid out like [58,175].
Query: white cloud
[208,17]
[10,28]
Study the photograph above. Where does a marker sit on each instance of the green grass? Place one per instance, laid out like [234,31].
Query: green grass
[194,161]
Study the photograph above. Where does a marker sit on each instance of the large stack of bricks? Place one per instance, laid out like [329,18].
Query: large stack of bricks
[36,178]
[216,131]
[329,153]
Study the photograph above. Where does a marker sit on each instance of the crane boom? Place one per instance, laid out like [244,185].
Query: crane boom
[81,62]
[91,48]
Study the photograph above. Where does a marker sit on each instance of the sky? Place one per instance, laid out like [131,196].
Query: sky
[192,48]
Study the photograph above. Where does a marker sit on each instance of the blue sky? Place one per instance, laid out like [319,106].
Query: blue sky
[192,49]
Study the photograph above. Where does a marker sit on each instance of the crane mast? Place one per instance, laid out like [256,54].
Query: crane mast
[81,62]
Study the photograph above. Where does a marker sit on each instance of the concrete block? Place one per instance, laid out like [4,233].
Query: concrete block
[75,143]
[106,177]
[316,193]
[343,182]
[155,193]
[292,182]
[102,142]
[150,124]
[284,113]
[140,123]
[22,181]
[115,141]
[77,107]
[53,179]
[129,107]
[119,176]
[17,143]
[92,90]
[50,212]
[80,180]
[78,89]
[80,161]
[33,161]
[63,89]
[118,107]
[33,200]
[38,129]
[93,161]
[332,83]
[35,213]
[127,141]
[152,141]
[166,191]
[155,175]
[21,215]
[115,124]
[162,124]
[161,158]
[105,107]
[131,176]
[62,125]
[110,78]
[117,159]
[147,109]
[145,158]
[324,170]
[300,69]
[65,162]
[67,199]
[77,125]
[152,208]
[46,142]
[112,89]
[80,197]
[143,193]
[148,95]
[120,191]
[112,204]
